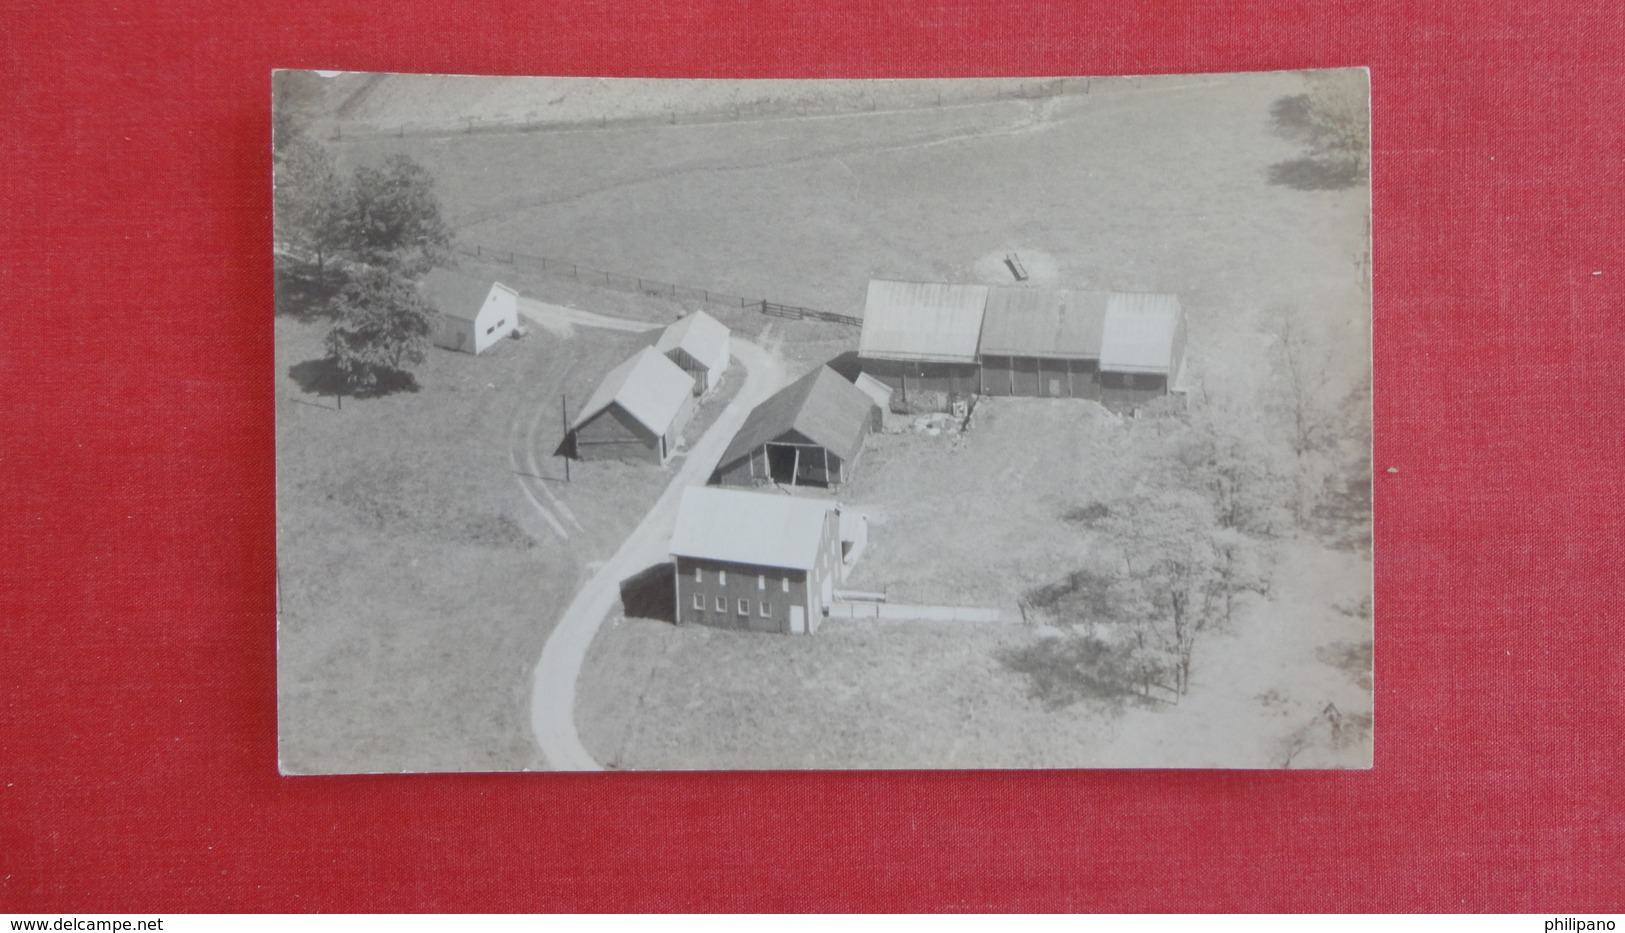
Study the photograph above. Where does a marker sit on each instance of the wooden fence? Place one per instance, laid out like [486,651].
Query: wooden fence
[647,286]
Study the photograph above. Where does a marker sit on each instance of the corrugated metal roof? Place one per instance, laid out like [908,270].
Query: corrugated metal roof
[1043,322]
[760,529]
[648,386]
[454,294]
[922,321]
[820,406]
[699,335]
[1139,332]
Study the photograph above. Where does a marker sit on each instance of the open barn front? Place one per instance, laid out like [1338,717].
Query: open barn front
[802,465]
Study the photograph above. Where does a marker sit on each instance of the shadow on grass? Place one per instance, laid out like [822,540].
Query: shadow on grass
[651,594]
[322,376]
[1066,670]
[1311,173]
[302,293]
[1353,658]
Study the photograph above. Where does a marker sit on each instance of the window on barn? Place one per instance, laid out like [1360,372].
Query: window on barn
[766,610]
[761,581]
[699,601]
[491,330]
[722,578]
[722,604]
[697,578]
[744,607]
[784,584]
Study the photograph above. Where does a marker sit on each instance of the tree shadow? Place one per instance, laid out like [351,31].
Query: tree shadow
[322,376]
[651,593]
[1066,670]
[302,293]
[1312,173]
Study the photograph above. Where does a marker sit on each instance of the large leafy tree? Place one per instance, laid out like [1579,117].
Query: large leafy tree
[383,327]
[311,201]
[392,218]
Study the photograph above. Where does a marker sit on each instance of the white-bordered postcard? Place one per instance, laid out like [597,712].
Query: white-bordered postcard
[636,424]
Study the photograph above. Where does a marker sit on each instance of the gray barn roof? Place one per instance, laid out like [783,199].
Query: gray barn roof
[455,294]
[647,386]
[1043,322]
[926,321]
[752,528]
[699,335]
[1140,333]
[820,406]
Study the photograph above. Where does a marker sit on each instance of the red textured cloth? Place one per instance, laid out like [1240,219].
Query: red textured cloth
[137,695]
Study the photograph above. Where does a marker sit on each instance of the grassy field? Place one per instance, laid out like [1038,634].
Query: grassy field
[1160,186]
[417,581]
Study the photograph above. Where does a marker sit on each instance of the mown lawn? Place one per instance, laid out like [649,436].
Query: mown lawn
[417,581]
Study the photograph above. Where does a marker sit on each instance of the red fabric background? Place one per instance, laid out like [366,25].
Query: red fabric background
[137,742]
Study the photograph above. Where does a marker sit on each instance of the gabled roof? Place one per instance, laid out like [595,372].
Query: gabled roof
[1043,322]
[699,335]
[1139,333]
[922,321]
[648,387]
[820,406]
[455,294]
[760,529]
[877,391]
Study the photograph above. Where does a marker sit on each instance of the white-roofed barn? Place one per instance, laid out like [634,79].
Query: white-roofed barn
[636,413]
[920,339]
[699,344]
[1142,348]
[755,561]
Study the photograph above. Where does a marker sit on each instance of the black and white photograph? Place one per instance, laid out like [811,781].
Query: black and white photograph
[658,424]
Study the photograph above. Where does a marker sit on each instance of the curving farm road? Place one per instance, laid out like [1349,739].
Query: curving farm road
[553,688]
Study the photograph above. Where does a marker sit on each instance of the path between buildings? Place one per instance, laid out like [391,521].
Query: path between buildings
[544,314]
[553,687]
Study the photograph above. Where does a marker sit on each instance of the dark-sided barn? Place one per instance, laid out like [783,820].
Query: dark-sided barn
[1042,342]
[807,434]
[1142,350]
[920,339]
[699,343]
[755,561]
[636,413]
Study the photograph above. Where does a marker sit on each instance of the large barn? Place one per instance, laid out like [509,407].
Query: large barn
[699,344]
[755,561]
[807,434]
[472,313]
[920,339]
[1042,342]
[636,413]
[1142,348]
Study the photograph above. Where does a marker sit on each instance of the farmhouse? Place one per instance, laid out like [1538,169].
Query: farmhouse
[636,413]
[699,344]
[920,339]
[1042,343]
[1142,348]
[473,313]
[755,561]
[808,433]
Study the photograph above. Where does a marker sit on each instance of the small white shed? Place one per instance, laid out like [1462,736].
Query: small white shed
[474,313]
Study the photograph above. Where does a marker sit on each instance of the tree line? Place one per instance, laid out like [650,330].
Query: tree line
[364,240]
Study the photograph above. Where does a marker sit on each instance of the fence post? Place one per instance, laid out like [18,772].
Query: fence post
[476,250]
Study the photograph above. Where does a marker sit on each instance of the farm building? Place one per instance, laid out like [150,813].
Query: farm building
[875,389]
[920,339]
[807,434]
[1042,343]
[1142,348]
[636,413]
[473,313]
[699,344]
[755,561]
